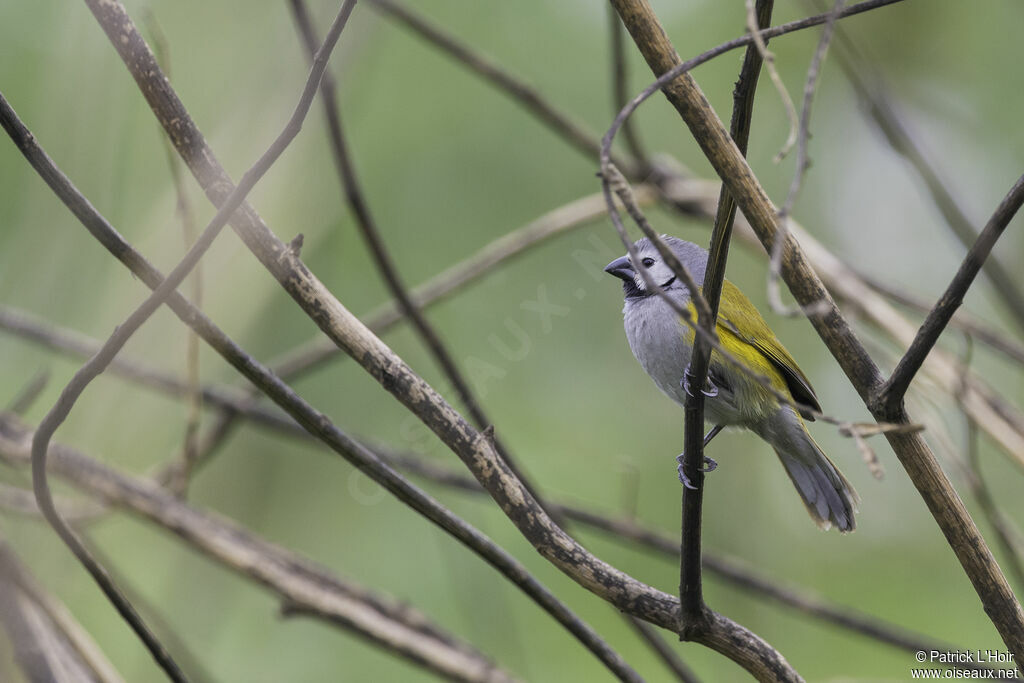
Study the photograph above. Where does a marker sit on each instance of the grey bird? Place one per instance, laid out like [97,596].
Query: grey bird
[663,343]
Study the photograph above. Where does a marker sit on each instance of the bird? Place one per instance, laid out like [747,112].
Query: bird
[663,343]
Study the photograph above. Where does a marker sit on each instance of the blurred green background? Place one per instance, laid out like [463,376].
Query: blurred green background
[448,165]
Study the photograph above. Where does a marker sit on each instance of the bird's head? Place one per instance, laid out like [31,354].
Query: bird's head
[634,286]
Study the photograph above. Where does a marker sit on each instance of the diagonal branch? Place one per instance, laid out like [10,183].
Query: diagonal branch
[352,189]
[313,421]
[474,448]
[574,132]
[874,94]
[56,416]
[294,579]
[890,395]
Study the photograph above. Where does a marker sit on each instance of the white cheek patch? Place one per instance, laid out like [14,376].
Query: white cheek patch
[639,280]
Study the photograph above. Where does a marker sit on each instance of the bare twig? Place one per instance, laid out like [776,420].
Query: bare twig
[79,345]
[620,84]
[381,619]
[802,164]
[22,501]
[754,27]
[890,395]
[352,189]
[53,419]
[48,643]
[573,132]
[181,471]
[115,19]
[484,262]
[978,330]
[881,107]
[28,394]
[722,568]
[810,87]
[1008,537]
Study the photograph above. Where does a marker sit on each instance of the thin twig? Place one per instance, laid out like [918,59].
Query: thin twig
[880,105]
[114,19]
[810,88]
[386,622]
[48,643]
[484,262]
[78,345]
[802,164]
[53,419]
[1008,537]
[978,330]
[574,132]
[360,208]
[890,396]
[754,27]
[620,84]
[27,395]
[181,471]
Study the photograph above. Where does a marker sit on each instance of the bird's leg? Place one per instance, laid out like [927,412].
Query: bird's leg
[708,465]
[709,389]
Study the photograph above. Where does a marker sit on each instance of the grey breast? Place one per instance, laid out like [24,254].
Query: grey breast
[657,340]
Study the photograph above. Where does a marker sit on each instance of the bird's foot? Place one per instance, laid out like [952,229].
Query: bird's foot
[709,389]
[708,465]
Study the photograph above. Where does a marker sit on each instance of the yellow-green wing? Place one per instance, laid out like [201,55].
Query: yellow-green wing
[742,319]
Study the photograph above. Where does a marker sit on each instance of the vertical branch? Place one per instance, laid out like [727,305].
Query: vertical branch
[694,612]
[180,473]
[620,83]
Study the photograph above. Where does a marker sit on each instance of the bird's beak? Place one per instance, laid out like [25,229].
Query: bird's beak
[622,269]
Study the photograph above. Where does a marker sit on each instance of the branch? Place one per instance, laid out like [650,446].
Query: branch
[474,448]
[874,94]
[919,462]
[59,412]
[628,531]
[47,641]
[695,612]
[360,208]
[573,132]
[620,83]
[294,579]
[890,396]
[484,262]
[312,420]
[623,530]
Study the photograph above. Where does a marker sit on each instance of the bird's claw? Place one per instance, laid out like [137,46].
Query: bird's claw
[708,465]
[709,389]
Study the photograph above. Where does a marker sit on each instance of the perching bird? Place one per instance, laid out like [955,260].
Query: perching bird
[662,343]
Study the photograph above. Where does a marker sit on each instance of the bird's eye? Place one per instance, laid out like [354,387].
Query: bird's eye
[648,262]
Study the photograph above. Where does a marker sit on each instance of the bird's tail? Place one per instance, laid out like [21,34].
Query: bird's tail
[829,497]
